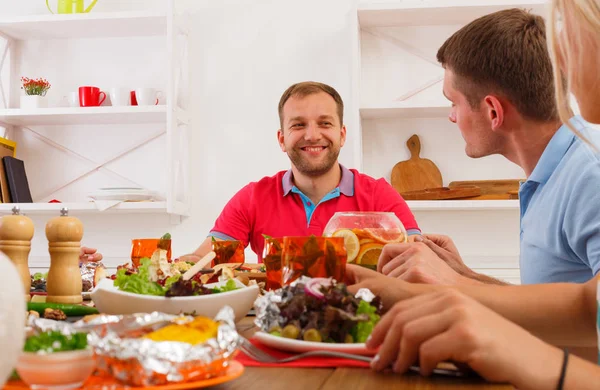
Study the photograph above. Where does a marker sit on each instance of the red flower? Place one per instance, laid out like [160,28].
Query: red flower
[35,86]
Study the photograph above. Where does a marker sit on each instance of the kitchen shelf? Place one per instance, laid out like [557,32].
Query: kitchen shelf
[84,115]
[435,12]
[462,205]
[405,111]
[86,25]
[91,208]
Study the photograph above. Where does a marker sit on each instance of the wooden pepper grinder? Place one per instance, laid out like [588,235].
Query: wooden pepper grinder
[64,235]
[16,232]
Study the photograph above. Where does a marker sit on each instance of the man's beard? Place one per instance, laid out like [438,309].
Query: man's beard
[311,169]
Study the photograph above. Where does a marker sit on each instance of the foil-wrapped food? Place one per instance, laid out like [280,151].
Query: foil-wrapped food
[155,349]
[92,273]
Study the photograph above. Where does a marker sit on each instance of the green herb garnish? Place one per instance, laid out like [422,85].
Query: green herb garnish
[55,341]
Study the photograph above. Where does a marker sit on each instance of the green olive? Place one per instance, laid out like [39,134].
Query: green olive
[312,335]
[290,332]
[275,333]
[276,328]
[349,339]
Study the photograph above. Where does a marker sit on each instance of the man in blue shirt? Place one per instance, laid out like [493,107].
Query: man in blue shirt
[498,77]
[560,213]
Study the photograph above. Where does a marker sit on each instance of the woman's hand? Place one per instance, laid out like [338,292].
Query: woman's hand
[449,326]
[89,255]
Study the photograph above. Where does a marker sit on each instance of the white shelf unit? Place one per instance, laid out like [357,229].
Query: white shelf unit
[89,208]
[88,25]
[435,12]
[171,115]
[84,115]
[401,89]
[462,205]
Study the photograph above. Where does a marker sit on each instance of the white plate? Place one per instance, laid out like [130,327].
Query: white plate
[123,194]
[290,345]
[120,188]
[108,299]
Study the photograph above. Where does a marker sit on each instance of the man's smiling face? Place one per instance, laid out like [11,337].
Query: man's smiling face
[311,133]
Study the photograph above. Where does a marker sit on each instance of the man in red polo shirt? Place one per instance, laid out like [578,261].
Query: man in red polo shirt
[300,201]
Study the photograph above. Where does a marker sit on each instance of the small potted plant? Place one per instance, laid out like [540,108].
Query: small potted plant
[35,92]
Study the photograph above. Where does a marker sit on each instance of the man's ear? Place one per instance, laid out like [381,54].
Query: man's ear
[280,140]
[494,110]
[342,136]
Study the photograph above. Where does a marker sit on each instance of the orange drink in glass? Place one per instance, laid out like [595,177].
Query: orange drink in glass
[272,261]
[316,257]
[230,251]
[145,247]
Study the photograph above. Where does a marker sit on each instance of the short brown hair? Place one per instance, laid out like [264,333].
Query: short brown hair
[506,53]
[308,88]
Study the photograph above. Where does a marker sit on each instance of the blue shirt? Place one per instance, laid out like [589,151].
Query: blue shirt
[560,210]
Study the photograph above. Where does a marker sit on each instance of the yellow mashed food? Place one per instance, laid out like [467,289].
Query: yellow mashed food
[195,332]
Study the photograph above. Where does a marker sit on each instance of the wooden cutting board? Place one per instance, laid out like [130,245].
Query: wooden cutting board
[490,186]
[492,189]
[415,174]
[442,193]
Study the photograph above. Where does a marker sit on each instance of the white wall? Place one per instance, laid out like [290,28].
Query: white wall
[243,55]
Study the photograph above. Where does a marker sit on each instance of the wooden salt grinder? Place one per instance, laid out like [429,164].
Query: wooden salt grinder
[64,235]
[16,232]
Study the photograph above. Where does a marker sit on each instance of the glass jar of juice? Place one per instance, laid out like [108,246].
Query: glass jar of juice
[365,234]
[272,260]
[315,257]
[229,251]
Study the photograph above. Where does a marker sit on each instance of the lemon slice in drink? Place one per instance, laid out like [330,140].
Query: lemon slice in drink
[350,242]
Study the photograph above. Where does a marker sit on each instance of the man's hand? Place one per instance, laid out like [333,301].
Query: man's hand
[89,255]
[417,263]
[390,290]
[189,258]
[444,247]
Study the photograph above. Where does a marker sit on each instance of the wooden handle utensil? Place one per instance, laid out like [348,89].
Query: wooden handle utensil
[203,262]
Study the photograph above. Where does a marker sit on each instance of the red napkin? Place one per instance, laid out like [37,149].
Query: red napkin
[317,362]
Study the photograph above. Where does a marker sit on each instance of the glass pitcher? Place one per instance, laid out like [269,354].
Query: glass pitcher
[71,6]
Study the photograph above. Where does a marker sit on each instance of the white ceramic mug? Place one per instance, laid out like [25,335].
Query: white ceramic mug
[120,97]
[73,99]
[147,96]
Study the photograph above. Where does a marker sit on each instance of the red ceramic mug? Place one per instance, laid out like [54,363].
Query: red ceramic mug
[90,96]
[133,99]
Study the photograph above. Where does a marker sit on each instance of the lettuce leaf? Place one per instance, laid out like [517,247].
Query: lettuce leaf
[361,331]
[229,286]
[139,283]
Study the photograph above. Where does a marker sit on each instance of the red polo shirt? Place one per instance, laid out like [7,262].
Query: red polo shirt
[275,207]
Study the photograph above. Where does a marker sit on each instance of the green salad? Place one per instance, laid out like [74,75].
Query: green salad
[140,283]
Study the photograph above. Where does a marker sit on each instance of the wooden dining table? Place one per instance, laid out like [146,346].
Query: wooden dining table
[289,378]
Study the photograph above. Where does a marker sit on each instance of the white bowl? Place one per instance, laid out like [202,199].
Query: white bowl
[108,299]
[59,370]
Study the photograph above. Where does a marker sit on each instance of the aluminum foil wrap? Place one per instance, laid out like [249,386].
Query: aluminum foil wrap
[37,325]
[89,270]
[267,310]
[144,362]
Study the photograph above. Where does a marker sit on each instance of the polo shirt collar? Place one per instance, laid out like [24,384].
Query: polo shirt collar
[346,184]
[554,152]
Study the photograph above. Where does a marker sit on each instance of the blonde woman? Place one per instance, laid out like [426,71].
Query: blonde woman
[477,325]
